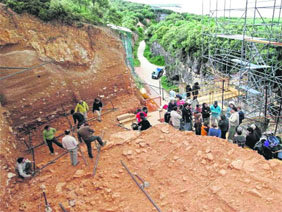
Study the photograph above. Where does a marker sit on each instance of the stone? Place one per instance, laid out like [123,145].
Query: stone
[162,196]
[80,173]
[199,153]
[59,187]
[129,152]
[210,156]
[255,192]
[165,130]
[265,166]
[237,164]
[142,144]
[72,203]
[222,172]
[11,175]
[175,158]
[215,189]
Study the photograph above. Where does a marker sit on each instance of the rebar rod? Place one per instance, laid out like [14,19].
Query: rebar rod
[98,156]
[28,69]
[278,118]
[147,195]
[51,162]
[62,207]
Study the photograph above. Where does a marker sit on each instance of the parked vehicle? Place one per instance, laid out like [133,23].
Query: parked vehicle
[158,73]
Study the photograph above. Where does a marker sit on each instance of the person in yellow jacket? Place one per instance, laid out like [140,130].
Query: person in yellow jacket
[82,107]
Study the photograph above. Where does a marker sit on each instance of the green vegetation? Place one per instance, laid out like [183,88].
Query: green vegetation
[167,85]
[67,11]
[133,15]
[183,36]
[157,60]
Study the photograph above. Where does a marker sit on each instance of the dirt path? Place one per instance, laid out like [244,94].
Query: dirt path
[145,72]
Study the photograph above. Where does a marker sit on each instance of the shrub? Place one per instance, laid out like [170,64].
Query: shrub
[167,85]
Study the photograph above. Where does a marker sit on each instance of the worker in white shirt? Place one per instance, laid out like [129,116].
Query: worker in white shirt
[71,144]
[24,168]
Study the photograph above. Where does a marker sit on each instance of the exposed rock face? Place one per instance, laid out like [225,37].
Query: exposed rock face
[73,63]
[177,65]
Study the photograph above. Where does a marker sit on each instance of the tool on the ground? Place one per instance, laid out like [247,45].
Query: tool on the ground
[120,125]
[142,189]
[32,153]
[144,184]
[62,207]
[82,155]
[98,155]
[47,206]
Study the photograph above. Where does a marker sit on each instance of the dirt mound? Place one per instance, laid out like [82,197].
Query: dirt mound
[185,173]
[70,63]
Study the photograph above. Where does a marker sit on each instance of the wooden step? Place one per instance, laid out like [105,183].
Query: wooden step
[125,116]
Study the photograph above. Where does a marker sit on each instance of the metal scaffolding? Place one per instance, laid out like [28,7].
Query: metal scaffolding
[245,45]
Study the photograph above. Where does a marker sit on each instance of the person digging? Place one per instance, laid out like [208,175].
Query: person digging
[85,133]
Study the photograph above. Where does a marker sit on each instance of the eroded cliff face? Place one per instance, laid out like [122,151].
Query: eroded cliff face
[70,63]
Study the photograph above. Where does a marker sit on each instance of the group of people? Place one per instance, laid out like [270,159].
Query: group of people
[211,121]
[69,142]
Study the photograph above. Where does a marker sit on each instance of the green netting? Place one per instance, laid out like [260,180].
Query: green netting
[126,38]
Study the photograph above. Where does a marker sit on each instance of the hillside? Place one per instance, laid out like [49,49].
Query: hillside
[71,63]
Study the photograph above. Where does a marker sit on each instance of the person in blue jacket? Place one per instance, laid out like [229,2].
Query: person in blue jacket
[215,112]
[214,131]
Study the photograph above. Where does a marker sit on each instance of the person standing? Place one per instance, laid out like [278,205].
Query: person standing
[97,106]
[175,118]
[188,91]
[251,138]
[82,107]
[229,108]
[241,115]
[70,144]
[198,123]
[85,133]
[77,117]
[187,117]
[223,125]
[49,138]
[195,90]
[233,124]
[239,138]
[214,131]
[206,111]
[171,105]
[215,112]
[24,168]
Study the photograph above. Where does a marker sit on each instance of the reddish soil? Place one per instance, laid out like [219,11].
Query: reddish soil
[185,173]
[85,62]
